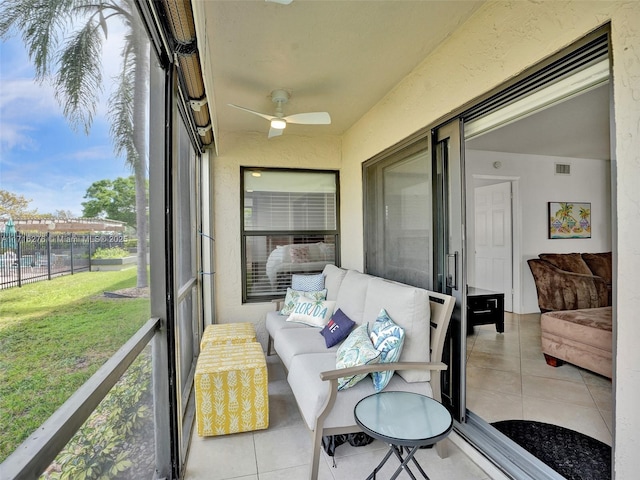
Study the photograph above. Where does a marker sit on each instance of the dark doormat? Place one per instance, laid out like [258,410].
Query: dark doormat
[572,454]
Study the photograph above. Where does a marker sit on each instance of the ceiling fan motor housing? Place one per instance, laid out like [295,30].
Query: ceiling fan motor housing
[280,96]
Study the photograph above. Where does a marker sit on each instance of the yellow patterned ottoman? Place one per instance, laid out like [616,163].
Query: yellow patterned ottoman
[221,333]
[231,389]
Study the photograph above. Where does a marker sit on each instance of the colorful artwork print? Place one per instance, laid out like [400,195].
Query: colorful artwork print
[569,220]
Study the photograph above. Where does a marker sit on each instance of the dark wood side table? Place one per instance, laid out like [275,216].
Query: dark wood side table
[484,307]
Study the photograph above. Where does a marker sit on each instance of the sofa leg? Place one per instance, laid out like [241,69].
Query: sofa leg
[315,454]
[553,361]
[269,346]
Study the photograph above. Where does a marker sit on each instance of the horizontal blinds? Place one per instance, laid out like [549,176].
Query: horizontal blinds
[277,211]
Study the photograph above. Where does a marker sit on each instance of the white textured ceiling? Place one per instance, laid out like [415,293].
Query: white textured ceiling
[344,56]
[336,56]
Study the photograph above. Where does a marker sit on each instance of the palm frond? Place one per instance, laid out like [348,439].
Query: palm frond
[79,78]
[121,108]
[41,23]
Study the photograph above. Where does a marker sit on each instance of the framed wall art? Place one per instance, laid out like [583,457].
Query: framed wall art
[569,220]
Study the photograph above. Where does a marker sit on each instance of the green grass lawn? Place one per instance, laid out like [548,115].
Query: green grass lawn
[53,336]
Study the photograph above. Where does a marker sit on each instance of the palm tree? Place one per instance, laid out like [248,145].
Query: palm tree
[64,40]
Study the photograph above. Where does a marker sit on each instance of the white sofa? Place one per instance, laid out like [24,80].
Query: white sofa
[311,366]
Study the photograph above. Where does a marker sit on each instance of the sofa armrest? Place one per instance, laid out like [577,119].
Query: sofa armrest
[332,376]
[381,367]
[278,302]
[561,290]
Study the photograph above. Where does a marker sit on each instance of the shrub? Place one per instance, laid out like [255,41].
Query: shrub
[114,252]
[101,448]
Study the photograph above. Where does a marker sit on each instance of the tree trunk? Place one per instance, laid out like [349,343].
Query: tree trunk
[141,45]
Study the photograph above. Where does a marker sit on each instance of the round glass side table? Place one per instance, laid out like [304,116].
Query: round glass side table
[405,421]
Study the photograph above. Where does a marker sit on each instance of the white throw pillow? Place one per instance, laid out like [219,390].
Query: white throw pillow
[315,313]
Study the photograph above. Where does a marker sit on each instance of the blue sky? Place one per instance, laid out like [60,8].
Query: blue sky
[41,157]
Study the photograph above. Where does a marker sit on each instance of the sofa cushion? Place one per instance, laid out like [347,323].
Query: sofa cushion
[387,337]
[600,265]
[293,296]
[291,342]
[569,262]
[307,283]
[356,350]
[315,313]
[352,295]
[333,277]
[311,392]
[274,322]
[409,307]
[337,329]
[589,326]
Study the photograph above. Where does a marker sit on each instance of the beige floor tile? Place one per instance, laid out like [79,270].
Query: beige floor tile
[557,390]
[494,380]
[494,406]
[603,396]
[455,466]
[531,350]
[607,416]
[497,345]
[233,456]
[581,419]
[591,378]
[282,448]
[482,359]
[538,367]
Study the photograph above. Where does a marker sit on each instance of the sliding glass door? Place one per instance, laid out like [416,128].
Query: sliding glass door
[449,255]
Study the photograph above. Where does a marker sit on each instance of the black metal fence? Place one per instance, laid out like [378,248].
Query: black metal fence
[32,257]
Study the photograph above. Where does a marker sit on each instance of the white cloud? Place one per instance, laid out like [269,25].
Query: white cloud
[16,135]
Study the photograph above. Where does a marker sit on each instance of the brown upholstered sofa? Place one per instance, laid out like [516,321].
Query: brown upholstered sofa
[574,294]
[571,281]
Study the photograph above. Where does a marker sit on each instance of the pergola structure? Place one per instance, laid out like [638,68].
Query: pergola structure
[66,225]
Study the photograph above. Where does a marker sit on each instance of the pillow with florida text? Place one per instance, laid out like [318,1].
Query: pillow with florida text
[315,313]
[387,338]
[337,329]
[293,296]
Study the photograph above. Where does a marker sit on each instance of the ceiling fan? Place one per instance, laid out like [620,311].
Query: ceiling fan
[279,120]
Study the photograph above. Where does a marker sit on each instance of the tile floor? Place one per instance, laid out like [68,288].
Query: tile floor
[283,451]
[508,378]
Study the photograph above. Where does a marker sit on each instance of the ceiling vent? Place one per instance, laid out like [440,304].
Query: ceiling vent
[563,169]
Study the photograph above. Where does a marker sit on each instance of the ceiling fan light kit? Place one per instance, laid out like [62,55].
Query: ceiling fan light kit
[278,122]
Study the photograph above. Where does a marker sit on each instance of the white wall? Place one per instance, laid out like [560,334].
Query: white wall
[590,181]
[253,150]
[502,39]
[498,42]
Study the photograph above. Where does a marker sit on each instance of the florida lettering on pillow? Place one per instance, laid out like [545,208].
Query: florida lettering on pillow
[315,313]
[293,296]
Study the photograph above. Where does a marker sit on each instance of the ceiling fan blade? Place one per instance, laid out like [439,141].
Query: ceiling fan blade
[263,115]
[311,118]
[275,132]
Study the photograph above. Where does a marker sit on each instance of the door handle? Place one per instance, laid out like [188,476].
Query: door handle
[452,270]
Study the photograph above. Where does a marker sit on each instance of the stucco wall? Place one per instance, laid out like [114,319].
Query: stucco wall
[501,40]
[253,150]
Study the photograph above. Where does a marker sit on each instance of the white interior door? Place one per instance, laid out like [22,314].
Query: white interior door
[493,240]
